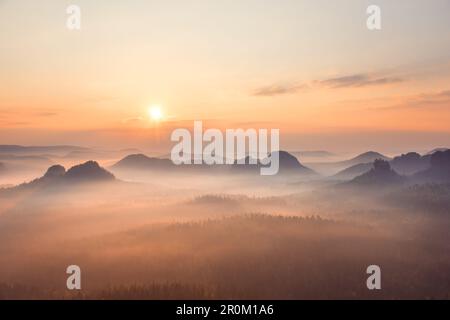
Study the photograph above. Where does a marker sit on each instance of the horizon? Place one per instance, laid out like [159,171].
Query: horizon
[156,153]
[344,93]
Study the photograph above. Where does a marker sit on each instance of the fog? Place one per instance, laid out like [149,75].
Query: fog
[163,236]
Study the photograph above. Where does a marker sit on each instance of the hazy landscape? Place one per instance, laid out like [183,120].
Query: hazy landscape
[100,99]
[142,228]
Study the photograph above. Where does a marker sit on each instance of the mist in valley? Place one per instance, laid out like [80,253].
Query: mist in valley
[167,234]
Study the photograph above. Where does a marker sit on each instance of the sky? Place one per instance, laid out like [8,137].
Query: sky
[309,68]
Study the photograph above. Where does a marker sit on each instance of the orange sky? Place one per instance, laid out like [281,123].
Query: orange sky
[311,69]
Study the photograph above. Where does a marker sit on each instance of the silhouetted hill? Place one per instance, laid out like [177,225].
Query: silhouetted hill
[288,162]
[2,167]
[439,170]
[88,171]
[381,174]
[410,163]
[55,171]
[57,176]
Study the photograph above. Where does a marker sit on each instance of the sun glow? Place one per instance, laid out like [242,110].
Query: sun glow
[155,113]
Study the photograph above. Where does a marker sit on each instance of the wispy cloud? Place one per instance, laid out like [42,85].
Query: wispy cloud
[348,81]
[133,120]
[433,98]
[424,100]
[358,80]
[14,123]
[46,114]
[275,90]
[10,112]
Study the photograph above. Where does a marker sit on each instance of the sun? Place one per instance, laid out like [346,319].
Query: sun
[155,113]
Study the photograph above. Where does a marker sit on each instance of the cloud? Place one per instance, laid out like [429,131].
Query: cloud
[423,100]
[14,123]
[46,114]
[27,113]
[358,80]
[133,120]
[276,90]
[441,98]
[350,81]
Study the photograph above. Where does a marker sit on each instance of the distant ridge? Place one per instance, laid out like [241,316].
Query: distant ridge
[142,162]
[366,157]
[353,171]
[335,168]
[312,154]
[16,149]
[405,164]
[23,157]
[288,163]
[382,173]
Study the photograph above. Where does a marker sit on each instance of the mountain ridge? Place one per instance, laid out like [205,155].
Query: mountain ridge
[288,162]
